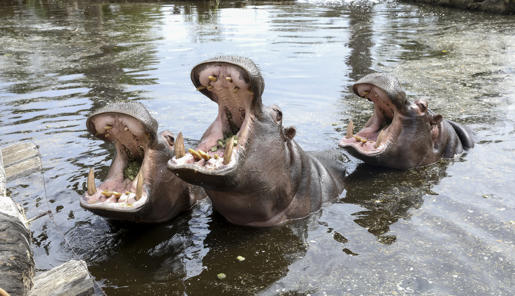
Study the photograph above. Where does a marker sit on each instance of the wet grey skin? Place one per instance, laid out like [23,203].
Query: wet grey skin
[266,179]
[138,186]
[402,134]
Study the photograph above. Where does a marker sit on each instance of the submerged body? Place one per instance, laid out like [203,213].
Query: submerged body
[248,163]
[138,186]
[402,134]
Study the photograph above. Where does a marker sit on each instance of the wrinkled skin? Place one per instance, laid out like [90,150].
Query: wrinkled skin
[139,150]
[402,134]
[267,179]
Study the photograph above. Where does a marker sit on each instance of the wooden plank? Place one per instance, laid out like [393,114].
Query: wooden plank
[23,168]
[7,205]
[18,152]
[71,279]
[16,262]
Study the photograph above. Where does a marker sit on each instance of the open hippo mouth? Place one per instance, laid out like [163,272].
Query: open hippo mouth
[228,82]
[383,127]
[125,188]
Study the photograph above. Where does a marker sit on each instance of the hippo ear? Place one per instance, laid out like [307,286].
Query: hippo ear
[278,113]
[422,105]
[436,119]
[290,132]
[168,137]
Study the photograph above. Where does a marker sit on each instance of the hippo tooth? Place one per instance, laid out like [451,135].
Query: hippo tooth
[212,78]
[108,127]
[229,144]
[126,129]
[107,193]
[195,154]
[350,130]
[139,186]
[210,87]
[201,88]
[235,89]
[380,138]
[179,146]
[92,188]
[204,155]
[228,79]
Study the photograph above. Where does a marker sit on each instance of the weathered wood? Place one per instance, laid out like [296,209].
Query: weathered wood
[71,278]
[16,259]
[23,168]
[20,159]
[19,151]
[16,263]
[2,176]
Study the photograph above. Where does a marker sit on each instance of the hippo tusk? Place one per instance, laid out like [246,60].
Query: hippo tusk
[228,79]
[179,146]
[204,155]
[229,144]
[139,186]
[350,130]
[92,188]
[212,78]
[380,138]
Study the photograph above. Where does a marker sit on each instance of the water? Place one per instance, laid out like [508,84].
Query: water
[445,229]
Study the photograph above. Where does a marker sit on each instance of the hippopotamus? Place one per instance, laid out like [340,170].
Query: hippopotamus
[248,163]
[402,134]
[138,186]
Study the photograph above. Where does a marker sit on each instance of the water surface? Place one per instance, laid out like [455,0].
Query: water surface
[445,229]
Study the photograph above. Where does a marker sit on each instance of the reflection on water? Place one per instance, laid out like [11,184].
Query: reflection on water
[443,229]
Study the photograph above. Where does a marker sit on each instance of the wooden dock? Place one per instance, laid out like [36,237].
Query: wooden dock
[16,259]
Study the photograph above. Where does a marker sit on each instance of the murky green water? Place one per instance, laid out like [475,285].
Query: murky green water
[445,229]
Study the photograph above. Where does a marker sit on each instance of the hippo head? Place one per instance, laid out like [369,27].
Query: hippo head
[245,150]
[138,186]
[400,134]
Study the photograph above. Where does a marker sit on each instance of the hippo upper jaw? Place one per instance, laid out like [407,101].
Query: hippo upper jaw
[233,85]
[382,129]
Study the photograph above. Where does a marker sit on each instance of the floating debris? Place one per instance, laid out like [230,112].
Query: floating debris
[221,276]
